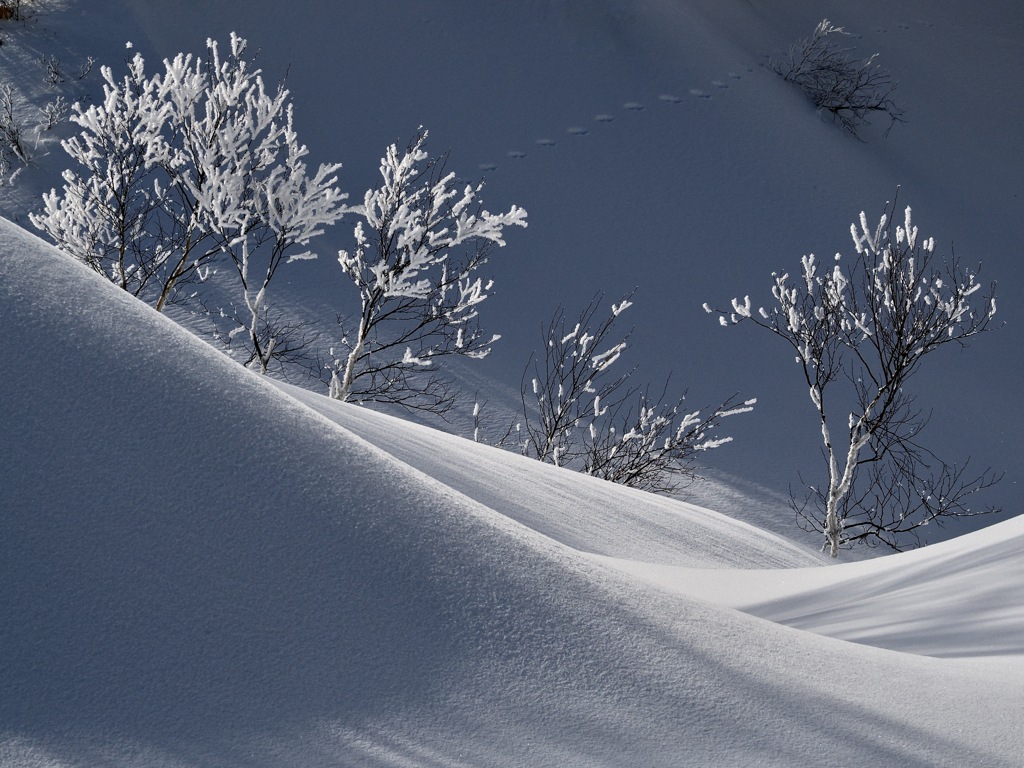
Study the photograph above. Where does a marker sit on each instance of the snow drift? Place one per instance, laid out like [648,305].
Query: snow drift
[199,569]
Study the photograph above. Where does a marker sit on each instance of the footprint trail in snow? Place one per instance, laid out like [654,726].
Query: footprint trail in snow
[638,108]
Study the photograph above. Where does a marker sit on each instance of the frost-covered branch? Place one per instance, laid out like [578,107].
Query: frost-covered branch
[262,204]
[850,90]
[13,132]
[122,211]
[653,444]
[417,249]
[570,381]
[184,167]
[578,412]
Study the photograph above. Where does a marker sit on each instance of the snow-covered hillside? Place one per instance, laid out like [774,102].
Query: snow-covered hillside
[201,569]
[651,148]
[205,567]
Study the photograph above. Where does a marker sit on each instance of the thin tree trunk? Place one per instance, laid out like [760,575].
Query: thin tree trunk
[342,391]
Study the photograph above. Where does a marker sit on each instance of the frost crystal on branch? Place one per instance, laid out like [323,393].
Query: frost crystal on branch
[848,89]
[181,169]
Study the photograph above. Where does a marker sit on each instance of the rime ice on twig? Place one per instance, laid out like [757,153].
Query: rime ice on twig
[593,419]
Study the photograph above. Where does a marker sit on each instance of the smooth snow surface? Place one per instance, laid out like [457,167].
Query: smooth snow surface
[957,598]
[584,513]
[202,570]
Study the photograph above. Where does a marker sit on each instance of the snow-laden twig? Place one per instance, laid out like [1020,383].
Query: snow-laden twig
[191,165]
[578,412]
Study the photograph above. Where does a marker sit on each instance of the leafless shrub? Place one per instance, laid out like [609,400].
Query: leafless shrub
[860,329]
[53,75]
[13,141]
[836,81]
[578,412]
[53,113]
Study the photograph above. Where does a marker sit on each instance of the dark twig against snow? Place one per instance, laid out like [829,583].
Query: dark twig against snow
[851,90]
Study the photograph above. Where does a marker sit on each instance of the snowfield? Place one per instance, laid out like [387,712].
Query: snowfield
[205,567]
[201,569]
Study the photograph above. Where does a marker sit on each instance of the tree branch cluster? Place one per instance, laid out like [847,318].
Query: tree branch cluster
[419,246]
[199,165]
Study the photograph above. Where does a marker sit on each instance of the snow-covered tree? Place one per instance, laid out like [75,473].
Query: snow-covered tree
[112,216]
[868,323]
[571,380]
[251,185]
[579,412]
[418,247]
[123,216]
[182,168]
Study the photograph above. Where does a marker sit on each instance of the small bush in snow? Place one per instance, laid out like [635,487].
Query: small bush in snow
[578,411]
[191,165]
[849,89]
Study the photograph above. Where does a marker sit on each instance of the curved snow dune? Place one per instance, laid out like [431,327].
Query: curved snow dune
[198,570]
[956,598]
[584,513]
[959,598]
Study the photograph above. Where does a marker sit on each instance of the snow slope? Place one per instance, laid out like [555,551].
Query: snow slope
[581,512]
[956,598]
[200,569]
[651,149]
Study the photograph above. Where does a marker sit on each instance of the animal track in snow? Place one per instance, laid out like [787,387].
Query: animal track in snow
[722,83]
